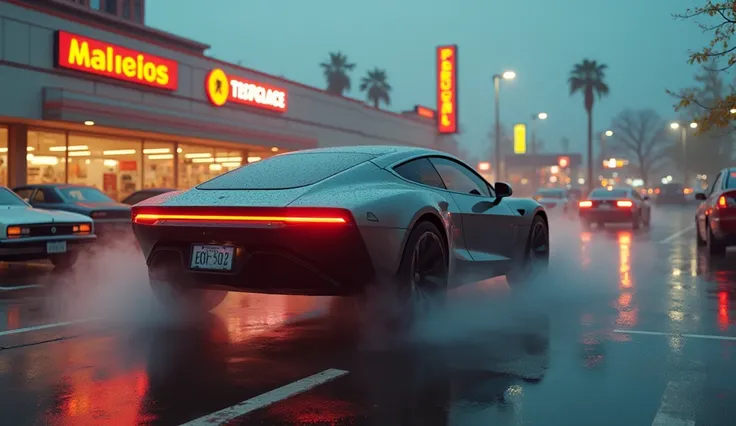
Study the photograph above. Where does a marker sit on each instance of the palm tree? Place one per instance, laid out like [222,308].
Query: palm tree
[376,87]
[336,73]
[587,77]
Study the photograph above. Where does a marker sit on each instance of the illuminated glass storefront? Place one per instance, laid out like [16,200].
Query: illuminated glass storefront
[120,166]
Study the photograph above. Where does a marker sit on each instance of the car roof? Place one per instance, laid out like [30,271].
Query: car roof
[377,150]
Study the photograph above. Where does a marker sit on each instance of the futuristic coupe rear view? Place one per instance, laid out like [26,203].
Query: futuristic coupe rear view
[338,221]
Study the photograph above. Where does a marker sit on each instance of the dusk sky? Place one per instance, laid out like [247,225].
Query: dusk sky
[644,46]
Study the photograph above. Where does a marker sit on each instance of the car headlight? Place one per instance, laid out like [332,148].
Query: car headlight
[82,228]
[17,231]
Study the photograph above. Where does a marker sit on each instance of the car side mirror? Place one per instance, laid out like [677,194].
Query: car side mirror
[700,196]
[502,190]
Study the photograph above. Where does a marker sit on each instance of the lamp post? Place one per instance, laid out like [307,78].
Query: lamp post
[535,117]
[508,75]
[683,138]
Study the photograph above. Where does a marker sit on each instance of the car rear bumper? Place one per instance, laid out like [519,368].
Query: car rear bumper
[607,216]
[724,229]
[24,249]
[302,260]
[110,229]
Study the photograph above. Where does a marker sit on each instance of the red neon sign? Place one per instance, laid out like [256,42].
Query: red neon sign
[425,112]
[92,56]
[447,89]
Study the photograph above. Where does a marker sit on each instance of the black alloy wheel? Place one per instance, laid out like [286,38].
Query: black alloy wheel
[715,247]
[423,275]
[699,238]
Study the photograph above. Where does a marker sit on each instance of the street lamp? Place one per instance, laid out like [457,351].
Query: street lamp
[683,137]
[507,75]
[535,117]
[609,133]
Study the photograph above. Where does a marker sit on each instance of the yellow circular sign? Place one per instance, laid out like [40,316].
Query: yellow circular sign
[217,87]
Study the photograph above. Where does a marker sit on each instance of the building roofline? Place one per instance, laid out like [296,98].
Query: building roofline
[146,34]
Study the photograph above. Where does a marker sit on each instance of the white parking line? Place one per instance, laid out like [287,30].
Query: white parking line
[677,234]
[686,335]
[679,400]
[230,413]
[45,326]
[20,287]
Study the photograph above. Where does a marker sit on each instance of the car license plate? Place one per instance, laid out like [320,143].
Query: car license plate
[604,207]
[53,247]
[212,258]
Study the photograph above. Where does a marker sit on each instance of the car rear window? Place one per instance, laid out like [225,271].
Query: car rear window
[74,194]
[605,193]
[551,193]
[731,182]
[287,171]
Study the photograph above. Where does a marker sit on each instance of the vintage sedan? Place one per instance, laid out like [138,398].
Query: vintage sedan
[27,233]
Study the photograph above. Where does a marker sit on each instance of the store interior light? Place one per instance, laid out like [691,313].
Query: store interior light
[110,163]
[71,148]
[253,159]
[215,167]
[203,160]
[43,160]
[156,151]
[89,123]
[228,159]
[198,155]
[179,150]
[275,149]
[231,165]
[80,153]
[161,157]
[119,152]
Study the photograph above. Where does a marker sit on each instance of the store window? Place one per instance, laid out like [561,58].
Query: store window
[111,7]
[3,156]
[158,164]
[112,165]
[226,160]
[196,165]
[46,157]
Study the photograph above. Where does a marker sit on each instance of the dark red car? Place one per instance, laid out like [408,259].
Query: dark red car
[715,220]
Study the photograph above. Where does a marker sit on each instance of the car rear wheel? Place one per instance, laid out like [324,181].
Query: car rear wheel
[421,283]
[188,299]
[715,247]
[536,256]
[64,261]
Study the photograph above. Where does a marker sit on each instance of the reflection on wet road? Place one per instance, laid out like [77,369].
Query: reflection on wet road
[631,328]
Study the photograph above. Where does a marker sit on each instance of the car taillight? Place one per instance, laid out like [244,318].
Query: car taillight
[585,204]
[624,203]
[83,228]
[17,231]
[726,201]
[297,215]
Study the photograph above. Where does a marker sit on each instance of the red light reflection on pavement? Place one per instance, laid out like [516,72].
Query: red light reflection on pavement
[723,316]
[624,245]
[251,315]
[13,317]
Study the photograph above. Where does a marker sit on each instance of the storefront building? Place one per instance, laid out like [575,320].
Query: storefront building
[92,96]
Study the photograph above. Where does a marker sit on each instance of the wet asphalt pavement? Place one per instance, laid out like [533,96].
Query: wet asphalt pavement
[631,328]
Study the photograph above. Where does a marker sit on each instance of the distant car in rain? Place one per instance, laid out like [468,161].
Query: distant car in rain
[144,194]
[671,193]
[556,201]
[715,219]
[27,233]
[615,205]
[111,218]
[406,221]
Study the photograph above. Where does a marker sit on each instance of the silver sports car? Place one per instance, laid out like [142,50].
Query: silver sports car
[339,221]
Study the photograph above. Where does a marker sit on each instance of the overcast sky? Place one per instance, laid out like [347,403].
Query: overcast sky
[644,47]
